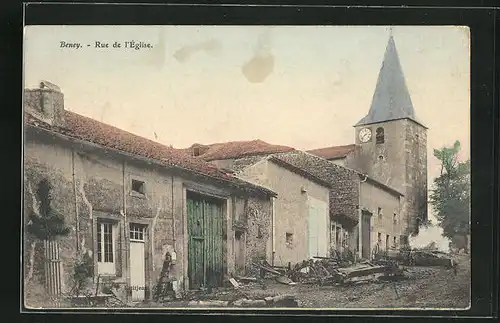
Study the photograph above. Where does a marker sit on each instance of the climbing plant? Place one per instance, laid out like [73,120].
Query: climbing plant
[83,270]
[47,223]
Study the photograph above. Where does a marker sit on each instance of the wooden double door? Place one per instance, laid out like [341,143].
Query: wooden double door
[206,241]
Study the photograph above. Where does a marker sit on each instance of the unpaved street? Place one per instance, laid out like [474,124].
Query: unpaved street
[423,287]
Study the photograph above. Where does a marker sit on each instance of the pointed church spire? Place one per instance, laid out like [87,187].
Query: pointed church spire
[391,100]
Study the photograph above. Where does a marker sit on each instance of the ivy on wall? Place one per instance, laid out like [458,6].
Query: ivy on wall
[49,224]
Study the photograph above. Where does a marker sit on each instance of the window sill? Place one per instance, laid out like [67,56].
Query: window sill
[107,276]
[138,195]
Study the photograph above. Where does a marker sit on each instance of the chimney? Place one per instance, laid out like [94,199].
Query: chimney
[45,103]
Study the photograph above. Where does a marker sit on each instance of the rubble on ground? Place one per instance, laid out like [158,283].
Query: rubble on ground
[337,270]
[269,301]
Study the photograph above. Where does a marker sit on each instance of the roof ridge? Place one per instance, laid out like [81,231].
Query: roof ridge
[346,145]
[120,129]
[92,131]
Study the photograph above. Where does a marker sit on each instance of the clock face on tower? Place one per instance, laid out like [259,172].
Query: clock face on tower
[365,135]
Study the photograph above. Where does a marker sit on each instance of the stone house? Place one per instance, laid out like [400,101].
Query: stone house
[131,203]
[364,212]
[351,195]
[301,209]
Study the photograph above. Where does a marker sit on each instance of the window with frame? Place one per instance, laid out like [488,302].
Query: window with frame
[106,258]
[395,218]
[289,239]
[138,187]
[137,232]
[379,135]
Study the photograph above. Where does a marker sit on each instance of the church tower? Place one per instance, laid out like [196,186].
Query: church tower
[392,141]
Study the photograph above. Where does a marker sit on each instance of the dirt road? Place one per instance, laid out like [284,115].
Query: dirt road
[424,287]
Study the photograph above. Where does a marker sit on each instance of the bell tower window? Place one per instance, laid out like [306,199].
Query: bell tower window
[379,136]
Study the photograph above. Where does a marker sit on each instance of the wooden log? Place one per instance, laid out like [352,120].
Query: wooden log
[285,280]
[246,279]
[253,303]
[268,269]
[212,303]
[279,298]
[358,272]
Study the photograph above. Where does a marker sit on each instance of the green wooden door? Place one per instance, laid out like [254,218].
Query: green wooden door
[205,252]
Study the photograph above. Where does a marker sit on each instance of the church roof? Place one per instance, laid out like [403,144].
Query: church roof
[391,100]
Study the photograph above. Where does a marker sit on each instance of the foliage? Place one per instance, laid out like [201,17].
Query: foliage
[83,269]
[450,196]
[49,224]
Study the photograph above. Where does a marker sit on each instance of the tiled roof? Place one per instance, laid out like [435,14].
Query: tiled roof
[343,181]
[333,152]
[86,129]
[236,149]
[303,171]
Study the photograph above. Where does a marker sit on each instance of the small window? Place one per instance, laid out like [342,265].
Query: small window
[259,232]
[137,232]
[138,187]
[289,239]
[395,242]
[379,237]
[196,151]
[379,212]
[395,218]
[379,136]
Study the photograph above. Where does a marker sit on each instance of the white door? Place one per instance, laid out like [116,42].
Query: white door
[137,263]
[312,230]
[323,225]
[318,228]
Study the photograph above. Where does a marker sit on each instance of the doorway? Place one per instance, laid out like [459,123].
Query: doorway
[137,262]
[366,234]
[317,228]
[205,241]
[239,252]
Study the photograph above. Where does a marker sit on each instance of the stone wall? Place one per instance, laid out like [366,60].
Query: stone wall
[90,184]
[416,175]
[400,162]
[258,235]
[374,198]
[290,206]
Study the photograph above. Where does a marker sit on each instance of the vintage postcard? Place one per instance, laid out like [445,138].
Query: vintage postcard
[237,167]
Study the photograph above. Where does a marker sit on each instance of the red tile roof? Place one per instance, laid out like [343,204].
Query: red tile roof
[236,149]
[83,128]
[333,152]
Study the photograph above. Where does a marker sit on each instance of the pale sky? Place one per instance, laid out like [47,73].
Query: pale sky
[310,86]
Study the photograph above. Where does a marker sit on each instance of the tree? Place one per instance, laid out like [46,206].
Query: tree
[450,196]
[47,223]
